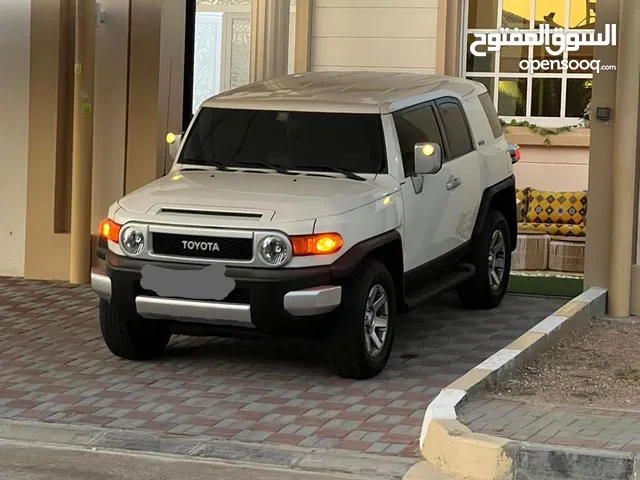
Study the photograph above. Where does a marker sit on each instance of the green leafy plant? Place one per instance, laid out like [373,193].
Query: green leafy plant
[509,90]
[543,131]
[587,115]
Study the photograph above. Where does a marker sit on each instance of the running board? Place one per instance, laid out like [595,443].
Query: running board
[462,273]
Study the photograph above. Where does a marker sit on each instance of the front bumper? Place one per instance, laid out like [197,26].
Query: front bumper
[292,293]
[303,302]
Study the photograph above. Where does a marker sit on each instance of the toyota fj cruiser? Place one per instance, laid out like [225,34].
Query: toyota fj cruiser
[320,204]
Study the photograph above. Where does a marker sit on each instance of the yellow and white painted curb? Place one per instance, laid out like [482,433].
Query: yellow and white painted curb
[451,446]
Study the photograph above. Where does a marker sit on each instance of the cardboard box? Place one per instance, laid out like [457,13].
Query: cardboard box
[566,256]
[531,253]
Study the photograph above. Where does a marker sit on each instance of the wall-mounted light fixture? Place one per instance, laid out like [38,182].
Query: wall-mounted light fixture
[100,16]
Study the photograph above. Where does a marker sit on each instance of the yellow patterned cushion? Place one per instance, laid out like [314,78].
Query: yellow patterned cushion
[559,229]
[565,208]
[523,196]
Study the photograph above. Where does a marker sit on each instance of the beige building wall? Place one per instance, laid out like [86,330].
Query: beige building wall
[14,132]
[126,122]
[377,35]
[138,97]
[553,168]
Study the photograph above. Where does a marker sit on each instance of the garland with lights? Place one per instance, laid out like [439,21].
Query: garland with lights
[547,132]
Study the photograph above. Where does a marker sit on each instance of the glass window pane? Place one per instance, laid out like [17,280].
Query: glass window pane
[510,58]
[490,112]
[483,14]
[512,97]
[546,94]
[516,13]
[582,14]
[416,126]
[488,82]
[578,96]
[550,12]
[555,61]
[455,125]
[584,54]
[304,140]
[479,64]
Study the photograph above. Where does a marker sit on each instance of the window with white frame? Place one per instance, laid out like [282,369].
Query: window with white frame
[548,98]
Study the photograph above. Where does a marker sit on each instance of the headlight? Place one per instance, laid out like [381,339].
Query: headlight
[274,250]
[132,240]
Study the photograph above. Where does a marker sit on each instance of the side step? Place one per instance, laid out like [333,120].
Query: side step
[462,273]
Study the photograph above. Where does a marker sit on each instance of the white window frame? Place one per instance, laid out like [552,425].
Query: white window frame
[551,122]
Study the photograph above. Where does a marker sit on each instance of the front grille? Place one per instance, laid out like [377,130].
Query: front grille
[198,246]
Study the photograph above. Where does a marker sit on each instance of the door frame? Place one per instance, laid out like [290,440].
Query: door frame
[189,62]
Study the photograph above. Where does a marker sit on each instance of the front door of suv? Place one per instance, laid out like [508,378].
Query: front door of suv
[425,197]
[462,168]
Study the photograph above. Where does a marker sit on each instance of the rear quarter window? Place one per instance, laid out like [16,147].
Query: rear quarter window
[456,128]
[492,116]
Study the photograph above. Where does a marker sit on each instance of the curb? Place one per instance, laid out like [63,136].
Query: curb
[355,465]
[456,450]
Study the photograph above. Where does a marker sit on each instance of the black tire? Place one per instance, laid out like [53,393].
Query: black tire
[478,292]
[127,336]
[347,339]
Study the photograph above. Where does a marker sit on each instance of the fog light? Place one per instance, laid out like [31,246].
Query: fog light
[273,250]
[132,240]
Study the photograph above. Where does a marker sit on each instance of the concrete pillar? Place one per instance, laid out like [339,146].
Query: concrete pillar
[80,240]
[170,94]
[269,39]
[452,37]
[110,117]
[142,163]
[597,268]
[302,46]
[624,159]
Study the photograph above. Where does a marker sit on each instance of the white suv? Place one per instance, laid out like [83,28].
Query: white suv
[319,204]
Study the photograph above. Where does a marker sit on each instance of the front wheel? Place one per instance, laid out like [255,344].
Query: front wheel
[363,325]
[491,257]
[128,336]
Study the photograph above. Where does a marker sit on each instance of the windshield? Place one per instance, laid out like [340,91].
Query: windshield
[292,140]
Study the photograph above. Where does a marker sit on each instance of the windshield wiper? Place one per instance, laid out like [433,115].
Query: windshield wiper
[346,173]
[217,165]
[193,169]
[270,166]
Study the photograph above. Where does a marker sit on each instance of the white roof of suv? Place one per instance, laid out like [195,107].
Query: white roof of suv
[347,92]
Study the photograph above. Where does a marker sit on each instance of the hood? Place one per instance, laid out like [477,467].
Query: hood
[280,197]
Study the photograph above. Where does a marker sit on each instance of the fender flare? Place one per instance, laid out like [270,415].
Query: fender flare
[509,209]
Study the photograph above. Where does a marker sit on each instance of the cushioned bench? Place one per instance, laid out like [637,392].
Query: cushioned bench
[561,214]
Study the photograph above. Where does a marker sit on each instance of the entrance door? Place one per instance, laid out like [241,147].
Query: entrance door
[222,46]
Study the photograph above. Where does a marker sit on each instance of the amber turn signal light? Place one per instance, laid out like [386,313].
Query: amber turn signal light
[320,244]
[110,230]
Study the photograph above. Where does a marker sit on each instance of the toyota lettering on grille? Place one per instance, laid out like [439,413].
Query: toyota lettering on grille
[200,246]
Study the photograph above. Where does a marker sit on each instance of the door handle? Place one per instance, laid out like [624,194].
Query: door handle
[453,182]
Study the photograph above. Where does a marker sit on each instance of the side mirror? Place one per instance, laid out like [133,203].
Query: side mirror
[174,140]
[428,158]
[514,151]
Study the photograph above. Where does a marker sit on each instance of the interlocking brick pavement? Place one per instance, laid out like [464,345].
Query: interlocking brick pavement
[556,425]
[54,367]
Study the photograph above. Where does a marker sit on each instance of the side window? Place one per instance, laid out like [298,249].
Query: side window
[455,126]
[490,112]
[416,126]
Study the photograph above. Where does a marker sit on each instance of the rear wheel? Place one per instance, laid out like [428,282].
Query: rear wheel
[363,325]
[491,257]
[128,336]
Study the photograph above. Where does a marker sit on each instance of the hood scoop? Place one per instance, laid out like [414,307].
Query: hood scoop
[210,213]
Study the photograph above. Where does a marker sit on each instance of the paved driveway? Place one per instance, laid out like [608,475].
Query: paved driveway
[55,368]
